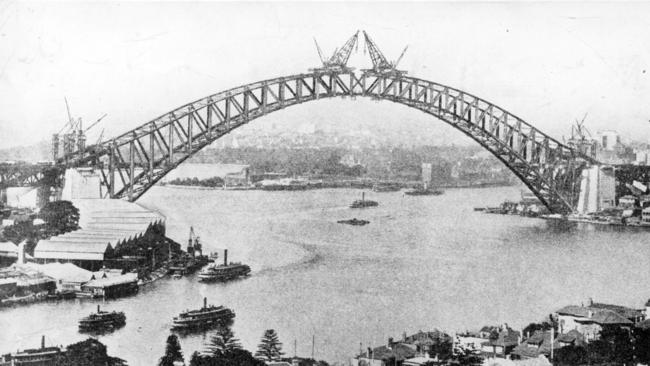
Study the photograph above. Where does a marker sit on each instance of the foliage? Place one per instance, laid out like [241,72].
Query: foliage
[442,348]
[642,345]
[172,352]
[223,341]
[570,355]
[90,352]
[466,357]
[235,357]
[531,328]
[270,347]
[613,346]
[60,216]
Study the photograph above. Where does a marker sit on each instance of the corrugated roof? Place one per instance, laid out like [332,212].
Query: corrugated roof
[112,281]
[46,249]
[8,246]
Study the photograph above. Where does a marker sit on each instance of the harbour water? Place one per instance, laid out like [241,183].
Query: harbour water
[422,263]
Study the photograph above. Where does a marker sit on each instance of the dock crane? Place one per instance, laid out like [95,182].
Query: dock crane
[381,65]
[339,59]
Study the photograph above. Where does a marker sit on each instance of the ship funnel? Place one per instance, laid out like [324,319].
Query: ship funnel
[225,257]
[205,302]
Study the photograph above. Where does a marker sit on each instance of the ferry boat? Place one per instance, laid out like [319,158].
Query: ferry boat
[206,317]
[363,202]
[102,320]
[224,272]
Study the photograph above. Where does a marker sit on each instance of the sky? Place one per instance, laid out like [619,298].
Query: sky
[548,63]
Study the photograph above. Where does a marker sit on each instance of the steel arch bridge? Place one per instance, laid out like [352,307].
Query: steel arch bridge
[133,162]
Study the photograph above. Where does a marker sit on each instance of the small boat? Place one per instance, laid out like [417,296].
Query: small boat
[206,317]
[354,221]
[424,191]
[102,321]
[363,202]
[224,272]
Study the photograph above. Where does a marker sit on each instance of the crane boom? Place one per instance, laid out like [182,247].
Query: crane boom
[379,61]
[320,52]
[341,56]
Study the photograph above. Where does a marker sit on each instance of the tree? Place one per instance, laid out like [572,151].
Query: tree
[236,357]
[90,352]
[570,355]
[223,341]
[60,216]
[270,347]
[172,352]
[613,346]
[642,345]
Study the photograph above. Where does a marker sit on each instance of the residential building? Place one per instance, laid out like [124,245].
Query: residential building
[540,344]
[8,253]
[590,320]
[424,341]
[501,343]
[387,355]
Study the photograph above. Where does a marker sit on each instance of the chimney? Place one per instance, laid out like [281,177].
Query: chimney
[205,302]
[369,353]
[43,341]
[225,257]
[591,301]
[390,342]
[98,308]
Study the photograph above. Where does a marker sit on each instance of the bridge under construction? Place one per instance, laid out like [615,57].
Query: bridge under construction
[131,163]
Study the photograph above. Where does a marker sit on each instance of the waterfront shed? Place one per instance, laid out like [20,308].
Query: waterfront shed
[111,287]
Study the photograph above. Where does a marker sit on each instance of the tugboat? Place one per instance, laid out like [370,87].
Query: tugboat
[424,191]
[224,272]
[206,317]
[102,321]
[363,202]
[354,221]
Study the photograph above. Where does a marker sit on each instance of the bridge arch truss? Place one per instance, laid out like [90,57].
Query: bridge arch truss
[133,162]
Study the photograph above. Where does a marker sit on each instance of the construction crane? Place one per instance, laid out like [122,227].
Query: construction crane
[339,59]
[380,63]
[75,136]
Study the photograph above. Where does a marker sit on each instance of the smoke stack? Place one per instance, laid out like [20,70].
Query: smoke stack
[205,302]
[225,257]
[98,308]
[43,341]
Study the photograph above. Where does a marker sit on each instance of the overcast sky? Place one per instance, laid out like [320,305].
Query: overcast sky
[548,63]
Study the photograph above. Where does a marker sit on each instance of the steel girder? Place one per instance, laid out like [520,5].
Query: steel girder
[133,162]
[20,175]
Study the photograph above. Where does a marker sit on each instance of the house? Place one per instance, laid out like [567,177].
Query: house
[423,341]
[8,253]
[387,355]
[590,320]
[500,343]
[540,344]
[627,201]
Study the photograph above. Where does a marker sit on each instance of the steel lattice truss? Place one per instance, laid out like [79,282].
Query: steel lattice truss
[21,175]
[132,163]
